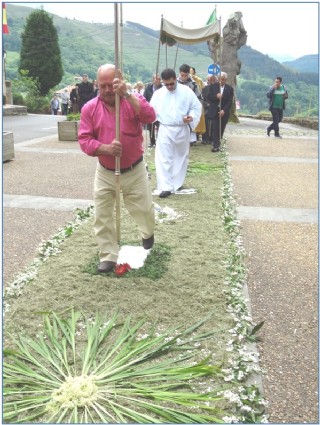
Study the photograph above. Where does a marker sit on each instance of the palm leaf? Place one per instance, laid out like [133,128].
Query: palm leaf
[123,378]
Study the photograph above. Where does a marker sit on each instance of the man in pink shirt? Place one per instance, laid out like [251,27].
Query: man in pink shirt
[97,138]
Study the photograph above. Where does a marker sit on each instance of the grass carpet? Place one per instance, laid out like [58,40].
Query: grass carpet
[190,286]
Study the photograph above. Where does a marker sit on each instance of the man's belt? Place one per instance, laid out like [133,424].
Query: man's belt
[124,170]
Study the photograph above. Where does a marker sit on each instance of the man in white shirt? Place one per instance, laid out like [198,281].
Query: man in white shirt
[178,111]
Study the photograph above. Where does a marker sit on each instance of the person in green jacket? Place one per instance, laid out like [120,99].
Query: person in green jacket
[276,95]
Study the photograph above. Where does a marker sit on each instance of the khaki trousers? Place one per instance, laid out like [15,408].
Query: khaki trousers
[137,197]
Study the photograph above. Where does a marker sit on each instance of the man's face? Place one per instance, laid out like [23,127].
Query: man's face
[184,76]
[105,84]
[85,78]
[157,81]
[170,84]
[277,83]
[223,80]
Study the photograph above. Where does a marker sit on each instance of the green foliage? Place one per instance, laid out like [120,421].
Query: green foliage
[73,117]
[25,91]
[40,52]
[102,370]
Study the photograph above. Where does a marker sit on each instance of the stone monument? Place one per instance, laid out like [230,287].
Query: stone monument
[234,36]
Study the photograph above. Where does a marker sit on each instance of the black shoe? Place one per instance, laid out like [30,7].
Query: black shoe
[215,150]
[179,188]
[148,243]
[106,266]
[268,131]
[278,136]
[164,194]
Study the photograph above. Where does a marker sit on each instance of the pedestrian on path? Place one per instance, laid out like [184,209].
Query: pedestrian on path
[54,105]
[65,98]
[97,138]
[277,94]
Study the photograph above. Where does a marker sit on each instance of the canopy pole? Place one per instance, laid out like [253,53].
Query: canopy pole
[117,107]
[157,67]
[175,60]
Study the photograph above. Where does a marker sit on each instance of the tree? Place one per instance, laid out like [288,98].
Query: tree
[40,51]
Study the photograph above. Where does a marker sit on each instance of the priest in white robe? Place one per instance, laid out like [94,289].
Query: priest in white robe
[178,111]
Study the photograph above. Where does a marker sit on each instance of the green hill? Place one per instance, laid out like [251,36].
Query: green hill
[85,46]
[308,63]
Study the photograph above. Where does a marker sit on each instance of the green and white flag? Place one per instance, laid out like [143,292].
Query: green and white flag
[213,17]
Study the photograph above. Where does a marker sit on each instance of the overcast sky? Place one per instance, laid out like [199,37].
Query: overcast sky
[277,28]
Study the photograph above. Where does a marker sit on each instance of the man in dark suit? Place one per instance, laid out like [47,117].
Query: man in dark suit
[148,93]
[85,91]
[220,96]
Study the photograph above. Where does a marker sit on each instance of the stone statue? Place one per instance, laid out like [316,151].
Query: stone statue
[214,48]
[234,36]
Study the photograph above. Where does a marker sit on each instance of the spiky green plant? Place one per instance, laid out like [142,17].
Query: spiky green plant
[111,373]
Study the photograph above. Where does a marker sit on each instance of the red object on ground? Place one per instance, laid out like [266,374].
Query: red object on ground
[121,269]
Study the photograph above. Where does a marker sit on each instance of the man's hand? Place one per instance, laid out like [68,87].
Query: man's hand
[116,148]
[187,119]
[113,149]
[119,86]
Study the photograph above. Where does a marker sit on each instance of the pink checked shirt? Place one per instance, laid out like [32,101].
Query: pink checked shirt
[98,126]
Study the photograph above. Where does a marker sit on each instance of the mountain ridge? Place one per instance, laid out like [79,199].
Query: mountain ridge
[85,46]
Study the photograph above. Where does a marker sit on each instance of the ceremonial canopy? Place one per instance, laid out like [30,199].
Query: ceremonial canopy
[171,34]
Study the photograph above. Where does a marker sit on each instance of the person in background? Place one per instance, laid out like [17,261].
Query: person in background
[65,98]
[85,91]
[148,93]
[277,94]
[74,99]
[178,111]
[96,137]
[54,105]
[139,87]
[95,88]
[220,96]
[207,136]
[185,79]
[201,127]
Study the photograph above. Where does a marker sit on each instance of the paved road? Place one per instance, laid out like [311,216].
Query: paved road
[31,126]
[276,191]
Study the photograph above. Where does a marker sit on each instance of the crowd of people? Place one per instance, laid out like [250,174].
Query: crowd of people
[175,109]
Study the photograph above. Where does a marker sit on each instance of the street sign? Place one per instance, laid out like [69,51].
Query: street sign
[214,69]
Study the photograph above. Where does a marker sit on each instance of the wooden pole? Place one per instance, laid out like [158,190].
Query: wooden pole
[220,54]
[157,67]
[117,159]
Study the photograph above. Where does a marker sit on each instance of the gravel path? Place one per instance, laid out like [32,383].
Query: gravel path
[281,259]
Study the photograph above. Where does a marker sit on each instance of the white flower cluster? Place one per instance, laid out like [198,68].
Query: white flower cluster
[75,391]
[242,362]
[165,214]
[45,250]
